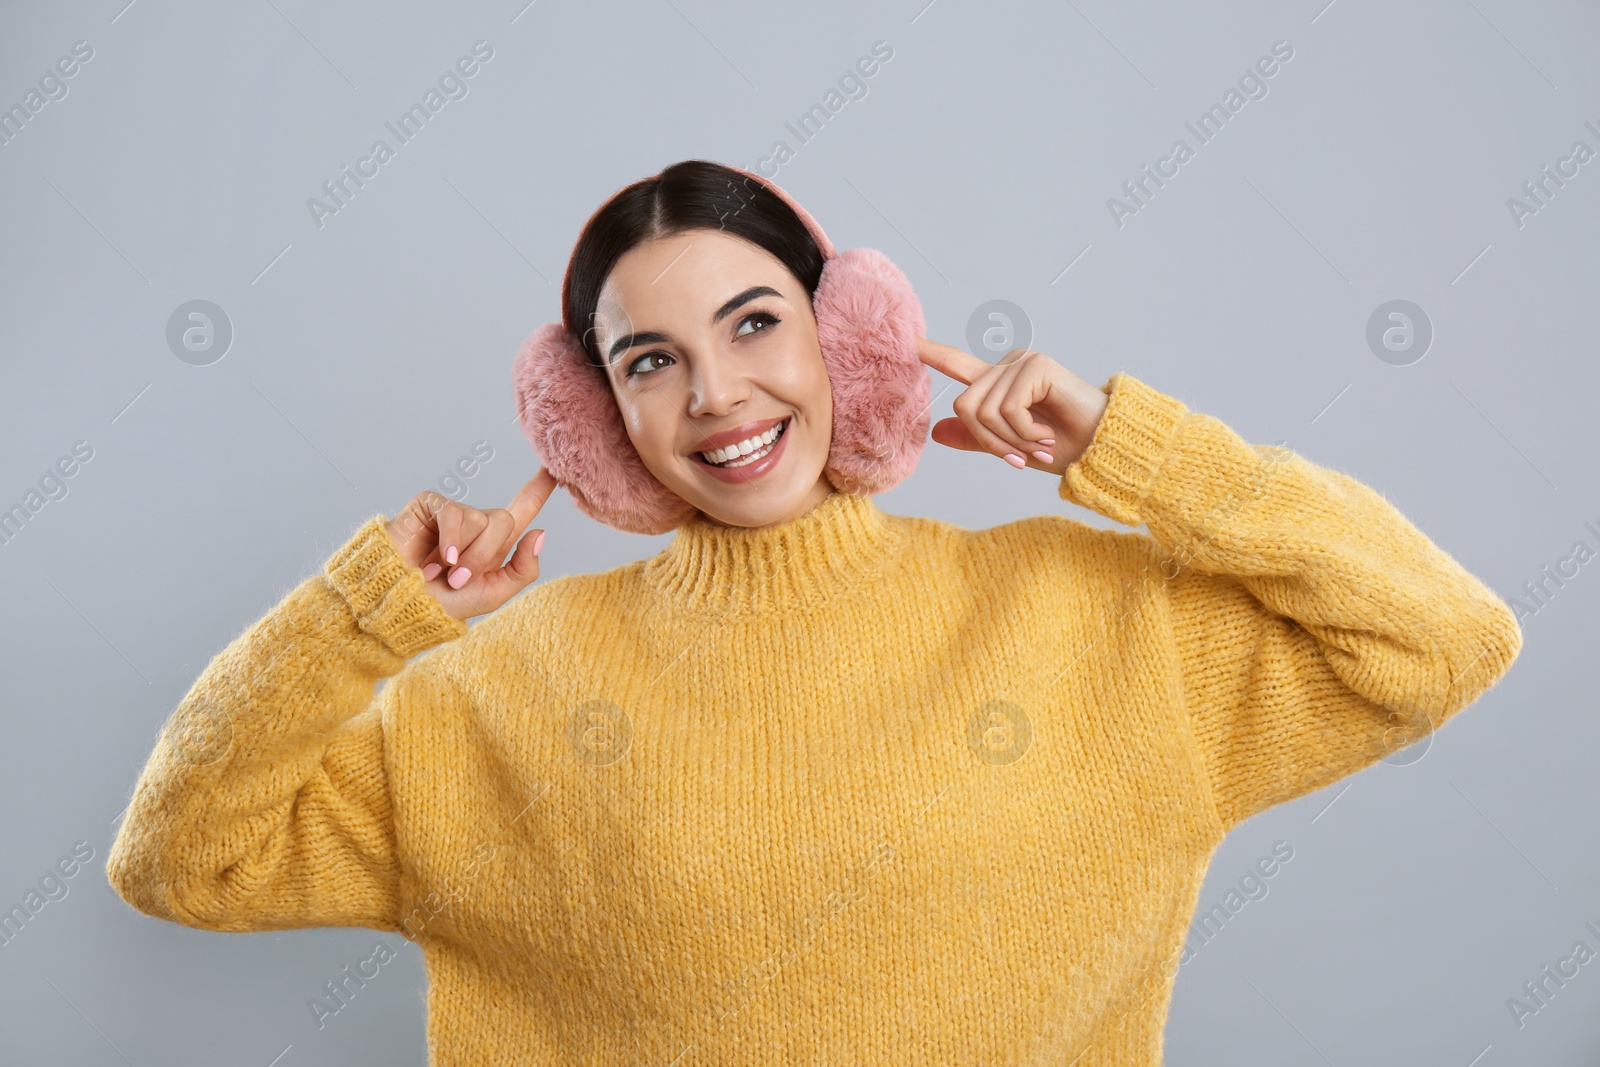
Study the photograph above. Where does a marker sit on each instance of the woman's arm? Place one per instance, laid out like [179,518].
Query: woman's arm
[1318,629]
[265,803]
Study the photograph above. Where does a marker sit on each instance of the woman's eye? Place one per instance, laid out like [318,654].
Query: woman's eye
[633,368]
[767,316]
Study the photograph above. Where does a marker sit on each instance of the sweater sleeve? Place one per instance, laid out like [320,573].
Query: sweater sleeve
[1317,629]
[265,802]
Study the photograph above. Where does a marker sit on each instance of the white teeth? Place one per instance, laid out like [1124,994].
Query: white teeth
[760,442]
[751,458]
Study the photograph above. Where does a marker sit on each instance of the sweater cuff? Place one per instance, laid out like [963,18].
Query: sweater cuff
[388,596]
[1115,472]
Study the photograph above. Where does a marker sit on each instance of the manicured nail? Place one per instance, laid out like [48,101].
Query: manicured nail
[1016,460]
[1047,441]
[458,577]
[450,555]
[538,543]
[1042,456]
[431,571]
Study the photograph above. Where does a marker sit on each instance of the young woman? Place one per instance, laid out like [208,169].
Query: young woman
[816,783]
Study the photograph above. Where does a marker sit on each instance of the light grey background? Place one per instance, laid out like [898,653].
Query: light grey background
[371,353]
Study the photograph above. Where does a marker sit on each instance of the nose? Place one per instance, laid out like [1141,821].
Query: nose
[716,384]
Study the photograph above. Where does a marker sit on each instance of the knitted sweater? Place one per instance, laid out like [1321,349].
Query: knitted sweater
[854,788]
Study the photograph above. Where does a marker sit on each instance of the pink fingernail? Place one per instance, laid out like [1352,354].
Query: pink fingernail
[431,571]
[538,543]
[450,555]
[458,577]
[1047,440]
[1042,456]
[1016,460]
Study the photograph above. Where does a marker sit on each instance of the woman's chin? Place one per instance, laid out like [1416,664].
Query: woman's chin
[759,503]
[747,511]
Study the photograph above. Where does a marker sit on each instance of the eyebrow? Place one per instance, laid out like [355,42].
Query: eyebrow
[650,337]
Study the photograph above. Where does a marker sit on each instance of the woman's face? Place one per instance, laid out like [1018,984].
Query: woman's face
[709,341]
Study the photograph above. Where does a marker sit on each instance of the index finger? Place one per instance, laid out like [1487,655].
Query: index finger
[524,507]
[964,367]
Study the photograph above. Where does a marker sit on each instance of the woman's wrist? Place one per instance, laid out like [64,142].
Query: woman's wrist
[1131,440]
[387,595]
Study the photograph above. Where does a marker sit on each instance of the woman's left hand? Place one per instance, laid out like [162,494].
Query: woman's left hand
[1027,409]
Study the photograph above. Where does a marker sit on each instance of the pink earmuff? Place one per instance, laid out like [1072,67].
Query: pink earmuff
[868,321]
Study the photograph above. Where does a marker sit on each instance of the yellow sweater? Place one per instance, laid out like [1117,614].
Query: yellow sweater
[856,788]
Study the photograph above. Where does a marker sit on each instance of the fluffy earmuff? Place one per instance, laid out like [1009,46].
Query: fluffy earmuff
[868,320]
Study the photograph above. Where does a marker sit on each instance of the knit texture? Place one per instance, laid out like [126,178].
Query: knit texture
[854,788]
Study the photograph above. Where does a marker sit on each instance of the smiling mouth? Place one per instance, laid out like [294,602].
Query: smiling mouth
[769,441]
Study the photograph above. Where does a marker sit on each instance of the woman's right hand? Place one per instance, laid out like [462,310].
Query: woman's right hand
[462,551]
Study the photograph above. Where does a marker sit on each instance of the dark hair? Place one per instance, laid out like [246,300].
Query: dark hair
[693,194]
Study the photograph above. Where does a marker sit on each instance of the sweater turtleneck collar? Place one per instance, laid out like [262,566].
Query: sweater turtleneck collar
[786,566]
